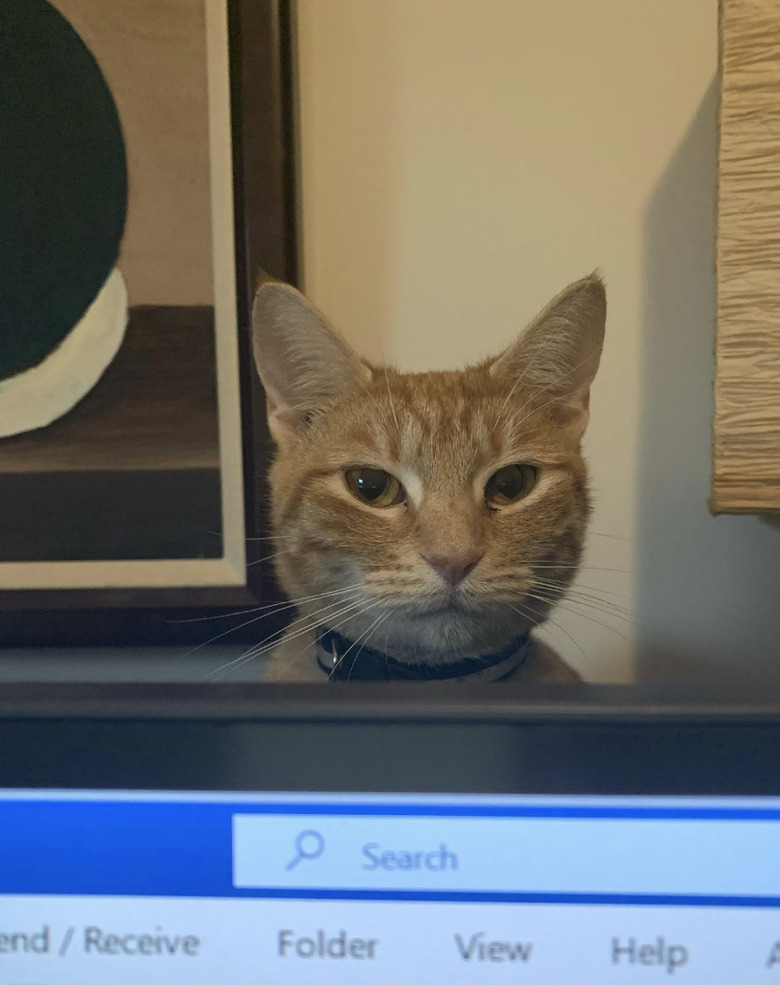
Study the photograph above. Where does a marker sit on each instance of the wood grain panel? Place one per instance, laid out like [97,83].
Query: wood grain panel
[746,472]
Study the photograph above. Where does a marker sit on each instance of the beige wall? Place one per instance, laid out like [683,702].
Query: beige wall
[460,163]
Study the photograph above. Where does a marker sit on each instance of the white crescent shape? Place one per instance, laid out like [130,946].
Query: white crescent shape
[38,396]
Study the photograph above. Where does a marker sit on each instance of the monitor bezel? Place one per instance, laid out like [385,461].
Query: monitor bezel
[590,740]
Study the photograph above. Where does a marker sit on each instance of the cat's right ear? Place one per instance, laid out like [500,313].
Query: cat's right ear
[303,363]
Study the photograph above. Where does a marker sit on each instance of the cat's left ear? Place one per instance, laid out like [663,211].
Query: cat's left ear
[556,357]
[303,363]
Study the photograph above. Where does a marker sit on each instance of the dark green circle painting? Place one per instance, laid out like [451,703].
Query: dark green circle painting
[63,182]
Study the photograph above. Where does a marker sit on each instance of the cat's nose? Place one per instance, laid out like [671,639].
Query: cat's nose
[454,566]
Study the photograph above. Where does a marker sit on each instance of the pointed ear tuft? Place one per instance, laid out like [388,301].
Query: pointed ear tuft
[303,363]
[558,354]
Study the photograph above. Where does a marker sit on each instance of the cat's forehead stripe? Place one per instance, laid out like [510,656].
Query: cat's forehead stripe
[430,445]
[439,431]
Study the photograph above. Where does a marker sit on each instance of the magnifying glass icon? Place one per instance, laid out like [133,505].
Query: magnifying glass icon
[309,844]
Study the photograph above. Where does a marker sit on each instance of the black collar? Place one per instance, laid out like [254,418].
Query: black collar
[344,660]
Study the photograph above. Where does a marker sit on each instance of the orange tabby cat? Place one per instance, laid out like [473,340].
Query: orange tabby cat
[426,523]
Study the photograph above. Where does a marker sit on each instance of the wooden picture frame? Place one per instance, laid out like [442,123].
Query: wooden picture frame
[746,445]
[258,34]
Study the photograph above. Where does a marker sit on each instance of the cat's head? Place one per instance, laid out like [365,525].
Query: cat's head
[436,515]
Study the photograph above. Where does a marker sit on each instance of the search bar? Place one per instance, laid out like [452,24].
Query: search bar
[507,854]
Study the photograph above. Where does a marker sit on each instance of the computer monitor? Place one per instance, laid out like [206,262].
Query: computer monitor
[387,834]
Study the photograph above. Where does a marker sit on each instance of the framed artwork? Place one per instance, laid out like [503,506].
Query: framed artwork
[746,440]
[146,178]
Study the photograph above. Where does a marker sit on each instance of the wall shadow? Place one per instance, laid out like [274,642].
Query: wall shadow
[707,587]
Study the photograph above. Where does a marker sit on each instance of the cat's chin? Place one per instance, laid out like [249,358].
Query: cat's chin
[445,632]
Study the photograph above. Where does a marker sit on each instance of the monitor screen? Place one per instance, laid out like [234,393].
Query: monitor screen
[114,887]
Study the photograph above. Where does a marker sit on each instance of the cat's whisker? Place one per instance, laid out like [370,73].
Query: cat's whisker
[567,607]
[233,615]
[352,615]
[270,557]
[250,622]
[598,605]
[544,623]
[273,610]
[579,567]
[305,630]
[592,588]
[247,540]
[277,606]
[259,649]
[363,636]
[589,618]
[290,631]
[364,644]
[588,595]
[595,533]
[606,604]
[566,633]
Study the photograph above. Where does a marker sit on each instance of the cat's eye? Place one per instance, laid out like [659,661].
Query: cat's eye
[510,484]
[375,487]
